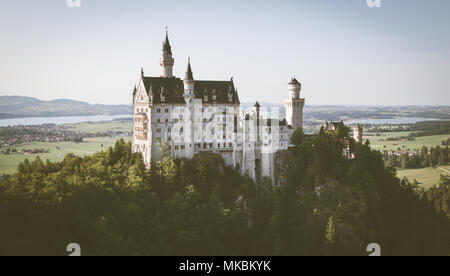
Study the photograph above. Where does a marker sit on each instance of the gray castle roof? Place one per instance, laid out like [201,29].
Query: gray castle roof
[173,89]
[220,88]
[333,125]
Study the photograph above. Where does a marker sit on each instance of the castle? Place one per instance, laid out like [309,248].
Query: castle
[181,118]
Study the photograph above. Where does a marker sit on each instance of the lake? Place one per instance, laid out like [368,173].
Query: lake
[80,119]
[393,121]
[61,120]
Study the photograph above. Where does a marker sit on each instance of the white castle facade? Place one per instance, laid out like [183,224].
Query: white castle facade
[181,118]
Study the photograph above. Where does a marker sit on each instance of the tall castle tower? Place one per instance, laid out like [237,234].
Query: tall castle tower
[166,60]
[294,105]
[358,134]
[189,98]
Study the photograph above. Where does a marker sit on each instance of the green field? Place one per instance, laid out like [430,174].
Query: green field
[8,163]
[380,143]
[426,177]
[94,127]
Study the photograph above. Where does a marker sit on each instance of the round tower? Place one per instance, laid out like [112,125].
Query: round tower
[294,105]
[294,88]
[358,133]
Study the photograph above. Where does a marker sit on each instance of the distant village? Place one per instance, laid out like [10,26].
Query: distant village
[48,133]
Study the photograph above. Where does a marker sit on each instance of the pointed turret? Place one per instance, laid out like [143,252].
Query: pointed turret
[189,82]
[166,60]
[189,76]
[166,45]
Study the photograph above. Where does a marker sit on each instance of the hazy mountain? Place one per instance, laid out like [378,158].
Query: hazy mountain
[19,107]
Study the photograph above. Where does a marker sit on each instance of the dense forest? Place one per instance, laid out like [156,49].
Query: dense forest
[110,204]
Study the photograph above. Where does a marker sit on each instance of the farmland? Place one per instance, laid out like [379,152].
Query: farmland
[380,143]
[427,177]
[57,151]
[123,125]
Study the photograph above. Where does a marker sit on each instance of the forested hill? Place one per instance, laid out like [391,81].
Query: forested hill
[110,204]
[19,107]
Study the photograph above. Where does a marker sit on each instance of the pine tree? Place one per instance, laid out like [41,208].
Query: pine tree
[330,232]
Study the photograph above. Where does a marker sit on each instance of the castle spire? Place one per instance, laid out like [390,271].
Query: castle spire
[166,44]
[189,75]
[167,59]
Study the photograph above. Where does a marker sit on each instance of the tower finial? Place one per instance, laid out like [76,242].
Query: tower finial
[167,33]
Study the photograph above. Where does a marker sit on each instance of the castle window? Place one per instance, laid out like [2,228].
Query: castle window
[158,110]
[158,130]
[183,147]
[167,120]
[167,110]
[158,121]
[176,147]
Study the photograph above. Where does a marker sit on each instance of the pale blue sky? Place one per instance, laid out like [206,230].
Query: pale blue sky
[342,51]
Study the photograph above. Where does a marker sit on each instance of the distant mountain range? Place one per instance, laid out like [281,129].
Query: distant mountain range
[21,107]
